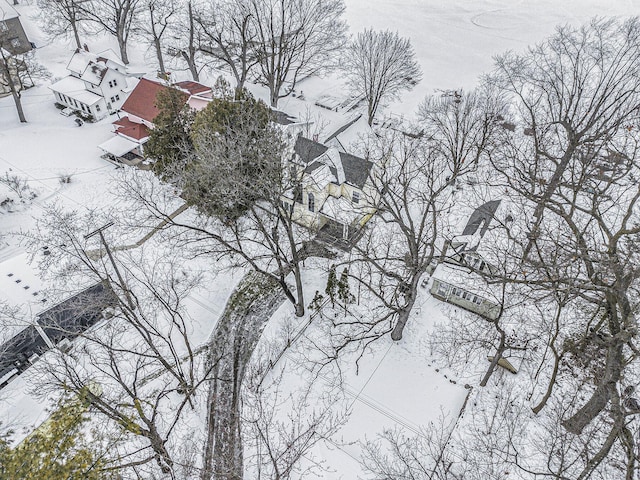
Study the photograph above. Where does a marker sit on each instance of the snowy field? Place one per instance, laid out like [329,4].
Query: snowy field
[397,383]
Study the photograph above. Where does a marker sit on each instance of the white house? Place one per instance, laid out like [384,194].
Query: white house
[96,85]
[334,195]
[456,279]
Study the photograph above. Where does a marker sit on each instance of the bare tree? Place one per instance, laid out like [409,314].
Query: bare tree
[228,34]
[570,158]
[281,427]
[17,72]
[145,366]
[157,22]
[56,17]
[294,39]
[186,39]
[237,178]
[413,189]
[116,17]
[379,66]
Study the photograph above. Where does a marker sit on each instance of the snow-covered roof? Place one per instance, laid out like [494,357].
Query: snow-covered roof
[319,175]
[75,88]
[111,59]
[79,62]
[93,66]
[20,291]
[94,73]
[118,146]
[7,11]
[341,209]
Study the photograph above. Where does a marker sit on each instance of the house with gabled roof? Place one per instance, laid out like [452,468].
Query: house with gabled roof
[334,194]
[13,41]
[138,113]
[457,279]
[96,85]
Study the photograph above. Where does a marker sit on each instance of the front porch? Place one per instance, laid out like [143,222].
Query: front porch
[121,150]
[339,235]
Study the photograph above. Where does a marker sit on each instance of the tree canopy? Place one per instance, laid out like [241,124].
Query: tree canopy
[237,157]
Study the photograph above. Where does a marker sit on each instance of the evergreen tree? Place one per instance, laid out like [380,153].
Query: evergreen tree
[170,143]
[332,285]
[237,159]
[54,451]
[344,291]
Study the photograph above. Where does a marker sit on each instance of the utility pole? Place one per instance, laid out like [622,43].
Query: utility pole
[98,232]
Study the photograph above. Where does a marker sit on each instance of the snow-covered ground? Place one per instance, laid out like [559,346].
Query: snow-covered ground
[397,383]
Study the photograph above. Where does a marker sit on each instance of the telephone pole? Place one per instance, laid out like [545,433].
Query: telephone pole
[98,232]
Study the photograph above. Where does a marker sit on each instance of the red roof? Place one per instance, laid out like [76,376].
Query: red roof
[192,87]
[142,100]
[126,127]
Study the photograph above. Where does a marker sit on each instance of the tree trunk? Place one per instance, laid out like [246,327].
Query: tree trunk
[371,112]
[601,396]
[273,96]
[76,34]
[122,44]
[18,101]
[6,71]
[403,314]
[496,359]
[158,46]
[190,57]
[538,408]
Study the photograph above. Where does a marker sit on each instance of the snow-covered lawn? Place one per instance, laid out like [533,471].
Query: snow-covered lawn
[395,385]
[398,384]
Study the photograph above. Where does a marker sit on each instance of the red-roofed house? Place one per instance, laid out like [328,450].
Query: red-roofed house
[132,131]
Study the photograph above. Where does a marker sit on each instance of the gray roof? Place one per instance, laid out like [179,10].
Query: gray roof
[282,118]
[484,213]
[356,169]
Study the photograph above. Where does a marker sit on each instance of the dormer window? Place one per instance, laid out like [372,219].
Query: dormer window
[15,42]
[355,198]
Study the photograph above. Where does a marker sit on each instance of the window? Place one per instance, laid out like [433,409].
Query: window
[117,97]
[443,289]
[115,82]
[477,300]
[356,197]
[97,108]
[312,203]
[113,99]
